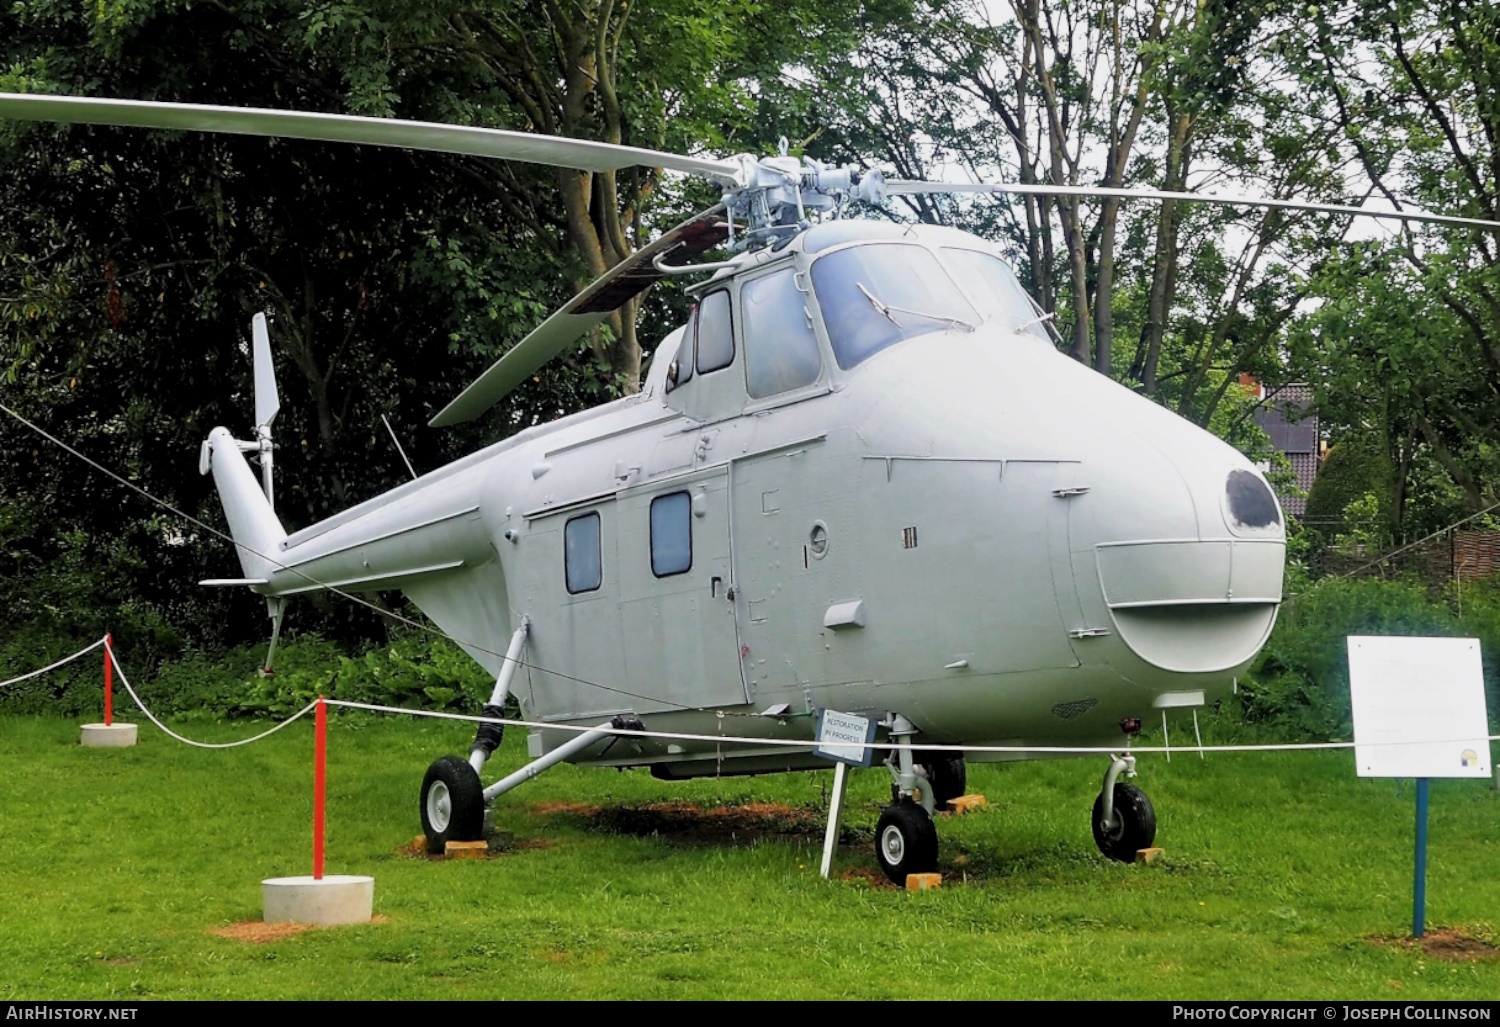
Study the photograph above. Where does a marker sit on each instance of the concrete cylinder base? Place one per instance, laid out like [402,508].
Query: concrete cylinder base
[333,899]
[109,736]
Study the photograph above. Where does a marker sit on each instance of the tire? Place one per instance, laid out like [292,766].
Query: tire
[905,842]
[948,774]
[1135,826]
[451,804]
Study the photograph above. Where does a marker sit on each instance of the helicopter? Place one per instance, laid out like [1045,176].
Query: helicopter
[860,487]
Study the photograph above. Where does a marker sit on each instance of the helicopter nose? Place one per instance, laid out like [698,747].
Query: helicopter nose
[1201,596]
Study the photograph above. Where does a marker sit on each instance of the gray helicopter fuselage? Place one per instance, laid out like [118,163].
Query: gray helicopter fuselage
[963,526]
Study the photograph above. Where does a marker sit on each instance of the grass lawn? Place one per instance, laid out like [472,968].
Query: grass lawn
[1285,877]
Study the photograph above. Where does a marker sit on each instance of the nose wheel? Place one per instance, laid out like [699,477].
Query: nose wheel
[1124,820]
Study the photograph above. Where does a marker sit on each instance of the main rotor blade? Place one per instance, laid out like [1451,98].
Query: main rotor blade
[900,186]
[570,323]
[556,151]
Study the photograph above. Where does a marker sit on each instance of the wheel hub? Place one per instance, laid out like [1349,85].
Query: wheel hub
[892,846]
[439,806]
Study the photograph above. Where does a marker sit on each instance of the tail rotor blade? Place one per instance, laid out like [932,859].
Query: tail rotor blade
[267,401]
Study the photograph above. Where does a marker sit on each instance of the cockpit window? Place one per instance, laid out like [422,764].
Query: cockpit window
[680,370]
[715,332]
[781,351]
[877,295]
[992,286]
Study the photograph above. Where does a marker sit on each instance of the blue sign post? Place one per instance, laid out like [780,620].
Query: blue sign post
[1419,884]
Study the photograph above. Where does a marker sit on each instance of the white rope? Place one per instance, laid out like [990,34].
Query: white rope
[684,736]
[54,666]
[813,743]
[188,741]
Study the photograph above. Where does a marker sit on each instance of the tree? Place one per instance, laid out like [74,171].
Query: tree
[1413,318]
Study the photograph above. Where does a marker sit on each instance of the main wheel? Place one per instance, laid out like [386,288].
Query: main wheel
[905,841]
[452,803]
[1134,827]
[947,773]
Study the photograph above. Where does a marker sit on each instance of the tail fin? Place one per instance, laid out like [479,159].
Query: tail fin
[248,507]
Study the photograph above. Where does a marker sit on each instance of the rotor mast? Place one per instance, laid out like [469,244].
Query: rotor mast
[773,195]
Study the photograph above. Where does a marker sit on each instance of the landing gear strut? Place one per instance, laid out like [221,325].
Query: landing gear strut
[453,799]
[905,837]
[1124,821]
[945,773]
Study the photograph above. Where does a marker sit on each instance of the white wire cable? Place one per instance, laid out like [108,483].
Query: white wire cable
[274,561]
[685,736]
[54,666]
[813,743]
[188,741]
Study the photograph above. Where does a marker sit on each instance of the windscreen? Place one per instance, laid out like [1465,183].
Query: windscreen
[992,285]
[877,295]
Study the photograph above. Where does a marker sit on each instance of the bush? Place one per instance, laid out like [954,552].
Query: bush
[415,671]
[1300,683]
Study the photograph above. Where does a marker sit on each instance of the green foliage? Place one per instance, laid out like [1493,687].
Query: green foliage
[1299,686]
[1361,525]
[1355,465]
[414,671]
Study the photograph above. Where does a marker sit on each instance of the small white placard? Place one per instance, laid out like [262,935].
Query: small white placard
[844,737]
[1418,707]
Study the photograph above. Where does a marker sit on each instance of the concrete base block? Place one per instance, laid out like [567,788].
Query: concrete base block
[1150,855]
[922,882]
[109,736]
[466,850]
[331,900]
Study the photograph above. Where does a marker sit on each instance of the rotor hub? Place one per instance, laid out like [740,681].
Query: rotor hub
[774,195]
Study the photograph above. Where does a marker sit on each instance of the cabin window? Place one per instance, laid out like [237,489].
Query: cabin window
[781,351]
[715,332]
[583,564]
[992,286]
[876,295]
[671,534]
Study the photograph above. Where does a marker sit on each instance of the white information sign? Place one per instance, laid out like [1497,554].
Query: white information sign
[1418,707]
[844,737]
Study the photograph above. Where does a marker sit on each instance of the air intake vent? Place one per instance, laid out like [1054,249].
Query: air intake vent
[1077,708]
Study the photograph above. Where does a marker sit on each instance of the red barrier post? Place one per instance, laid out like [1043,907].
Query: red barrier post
[109,683]
[320,759]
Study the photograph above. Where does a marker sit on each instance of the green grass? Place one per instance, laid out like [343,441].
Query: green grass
[117,866]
